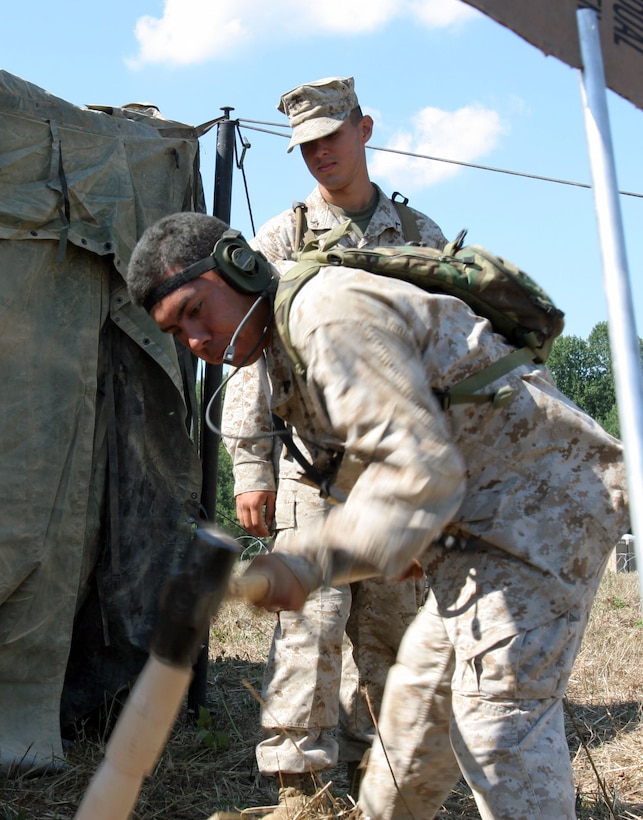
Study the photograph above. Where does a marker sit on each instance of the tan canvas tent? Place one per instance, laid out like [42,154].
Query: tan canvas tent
[99,479]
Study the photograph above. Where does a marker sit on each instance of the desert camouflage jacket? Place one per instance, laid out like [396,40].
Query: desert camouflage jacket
[535,491]
[246,412]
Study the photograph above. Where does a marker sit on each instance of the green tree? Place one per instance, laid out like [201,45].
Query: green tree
[582,369]
[226,505]
[250,545]
[569,363]
[226,511]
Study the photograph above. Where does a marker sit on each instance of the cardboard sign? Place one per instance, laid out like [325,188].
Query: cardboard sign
[551,26]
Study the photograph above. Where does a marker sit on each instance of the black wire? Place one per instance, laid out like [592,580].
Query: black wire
[257,345]
[442,159]
[241,167]
[217,431]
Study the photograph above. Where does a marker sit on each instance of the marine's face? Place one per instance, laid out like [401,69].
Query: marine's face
[337,160]
[204,314]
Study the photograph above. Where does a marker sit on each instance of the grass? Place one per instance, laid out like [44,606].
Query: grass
[208,763]
[605,698]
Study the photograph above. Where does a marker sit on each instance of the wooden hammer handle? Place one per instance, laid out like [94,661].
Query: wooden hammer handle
[249,587]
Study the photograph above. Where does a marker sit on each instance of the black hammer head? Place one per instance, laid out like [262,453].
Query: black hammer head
[191,597]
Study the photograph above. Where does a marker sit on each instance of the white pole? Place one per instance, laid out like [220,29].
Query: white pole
[624,344]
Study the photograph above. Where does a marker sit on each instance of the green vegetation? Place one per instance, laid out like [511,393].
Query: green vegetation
[208,735]
[226,506]
[582,369]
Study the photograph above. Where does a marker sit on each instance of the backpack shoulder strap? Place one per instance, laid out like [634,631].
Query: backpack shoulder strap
[314,476]
[289,286]
[466,390]
[301,224]
[407,218]
[307,241]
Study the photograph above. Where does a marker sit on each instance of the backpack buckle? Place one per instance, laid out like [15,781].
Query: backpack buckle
[403,199]
[502,397]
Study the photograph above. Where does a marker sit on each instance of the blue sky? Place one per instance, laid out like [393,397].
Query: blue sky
[439,78]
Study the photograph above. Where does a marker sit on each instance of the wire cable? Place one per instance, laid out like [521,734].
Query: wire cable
[241,167]
[431,158]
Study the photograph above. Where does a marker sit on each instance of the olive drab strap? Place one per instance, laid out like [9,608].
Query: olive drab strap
[301,225]
[306,239]
[315,477]
[289,287]
[465,391]
[410,229]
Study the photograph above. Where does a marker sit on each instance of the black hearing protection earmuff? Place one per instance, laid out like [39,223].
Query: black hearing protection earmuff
[241,267]
[244,269]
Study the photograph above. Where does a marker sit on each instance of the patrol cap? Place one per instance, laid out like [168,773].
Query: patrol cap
[319,108]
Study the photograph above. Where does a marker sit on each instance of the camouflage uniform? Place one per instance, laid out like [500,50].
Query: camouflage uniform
[516,510]
[302,682]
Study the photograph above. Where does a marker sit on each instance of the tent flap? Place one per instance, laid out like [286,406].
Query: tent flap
[97,178]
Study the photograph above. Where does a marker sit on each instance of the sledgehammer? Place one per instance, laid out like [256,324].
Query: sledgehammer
[188,602]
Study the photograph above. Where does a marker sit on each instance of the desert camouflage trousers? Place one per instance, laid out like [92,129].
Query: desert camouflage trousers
[496,719]
[327,663]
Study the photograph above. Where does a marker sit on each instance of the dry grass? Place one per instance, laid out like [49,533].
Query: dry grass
[211,767]
[605,699]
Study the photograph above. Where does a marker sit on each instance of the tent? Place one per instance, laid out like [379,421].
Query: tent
[100,480]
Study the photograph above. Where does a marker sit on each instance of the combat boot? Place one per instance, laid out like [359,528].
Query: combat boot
[295,793]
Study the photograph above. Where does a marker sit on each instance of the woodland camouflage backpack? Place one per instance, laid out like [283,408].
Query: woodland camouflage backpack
[494,288]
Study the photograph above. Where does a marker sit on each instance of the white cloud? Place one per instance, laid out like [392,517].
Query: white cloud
[193,31]
[441,13]
[463,135]
[346,16]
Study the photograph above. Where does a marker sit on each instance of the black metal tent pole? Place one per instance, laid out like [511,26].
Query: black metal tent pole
[209,444]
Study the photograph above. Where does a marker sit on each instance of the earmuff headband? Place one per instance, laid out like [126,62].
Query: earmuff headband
[179,279]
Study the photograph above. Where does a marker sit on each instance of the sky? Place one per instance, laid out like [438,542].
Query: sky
[439,78]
